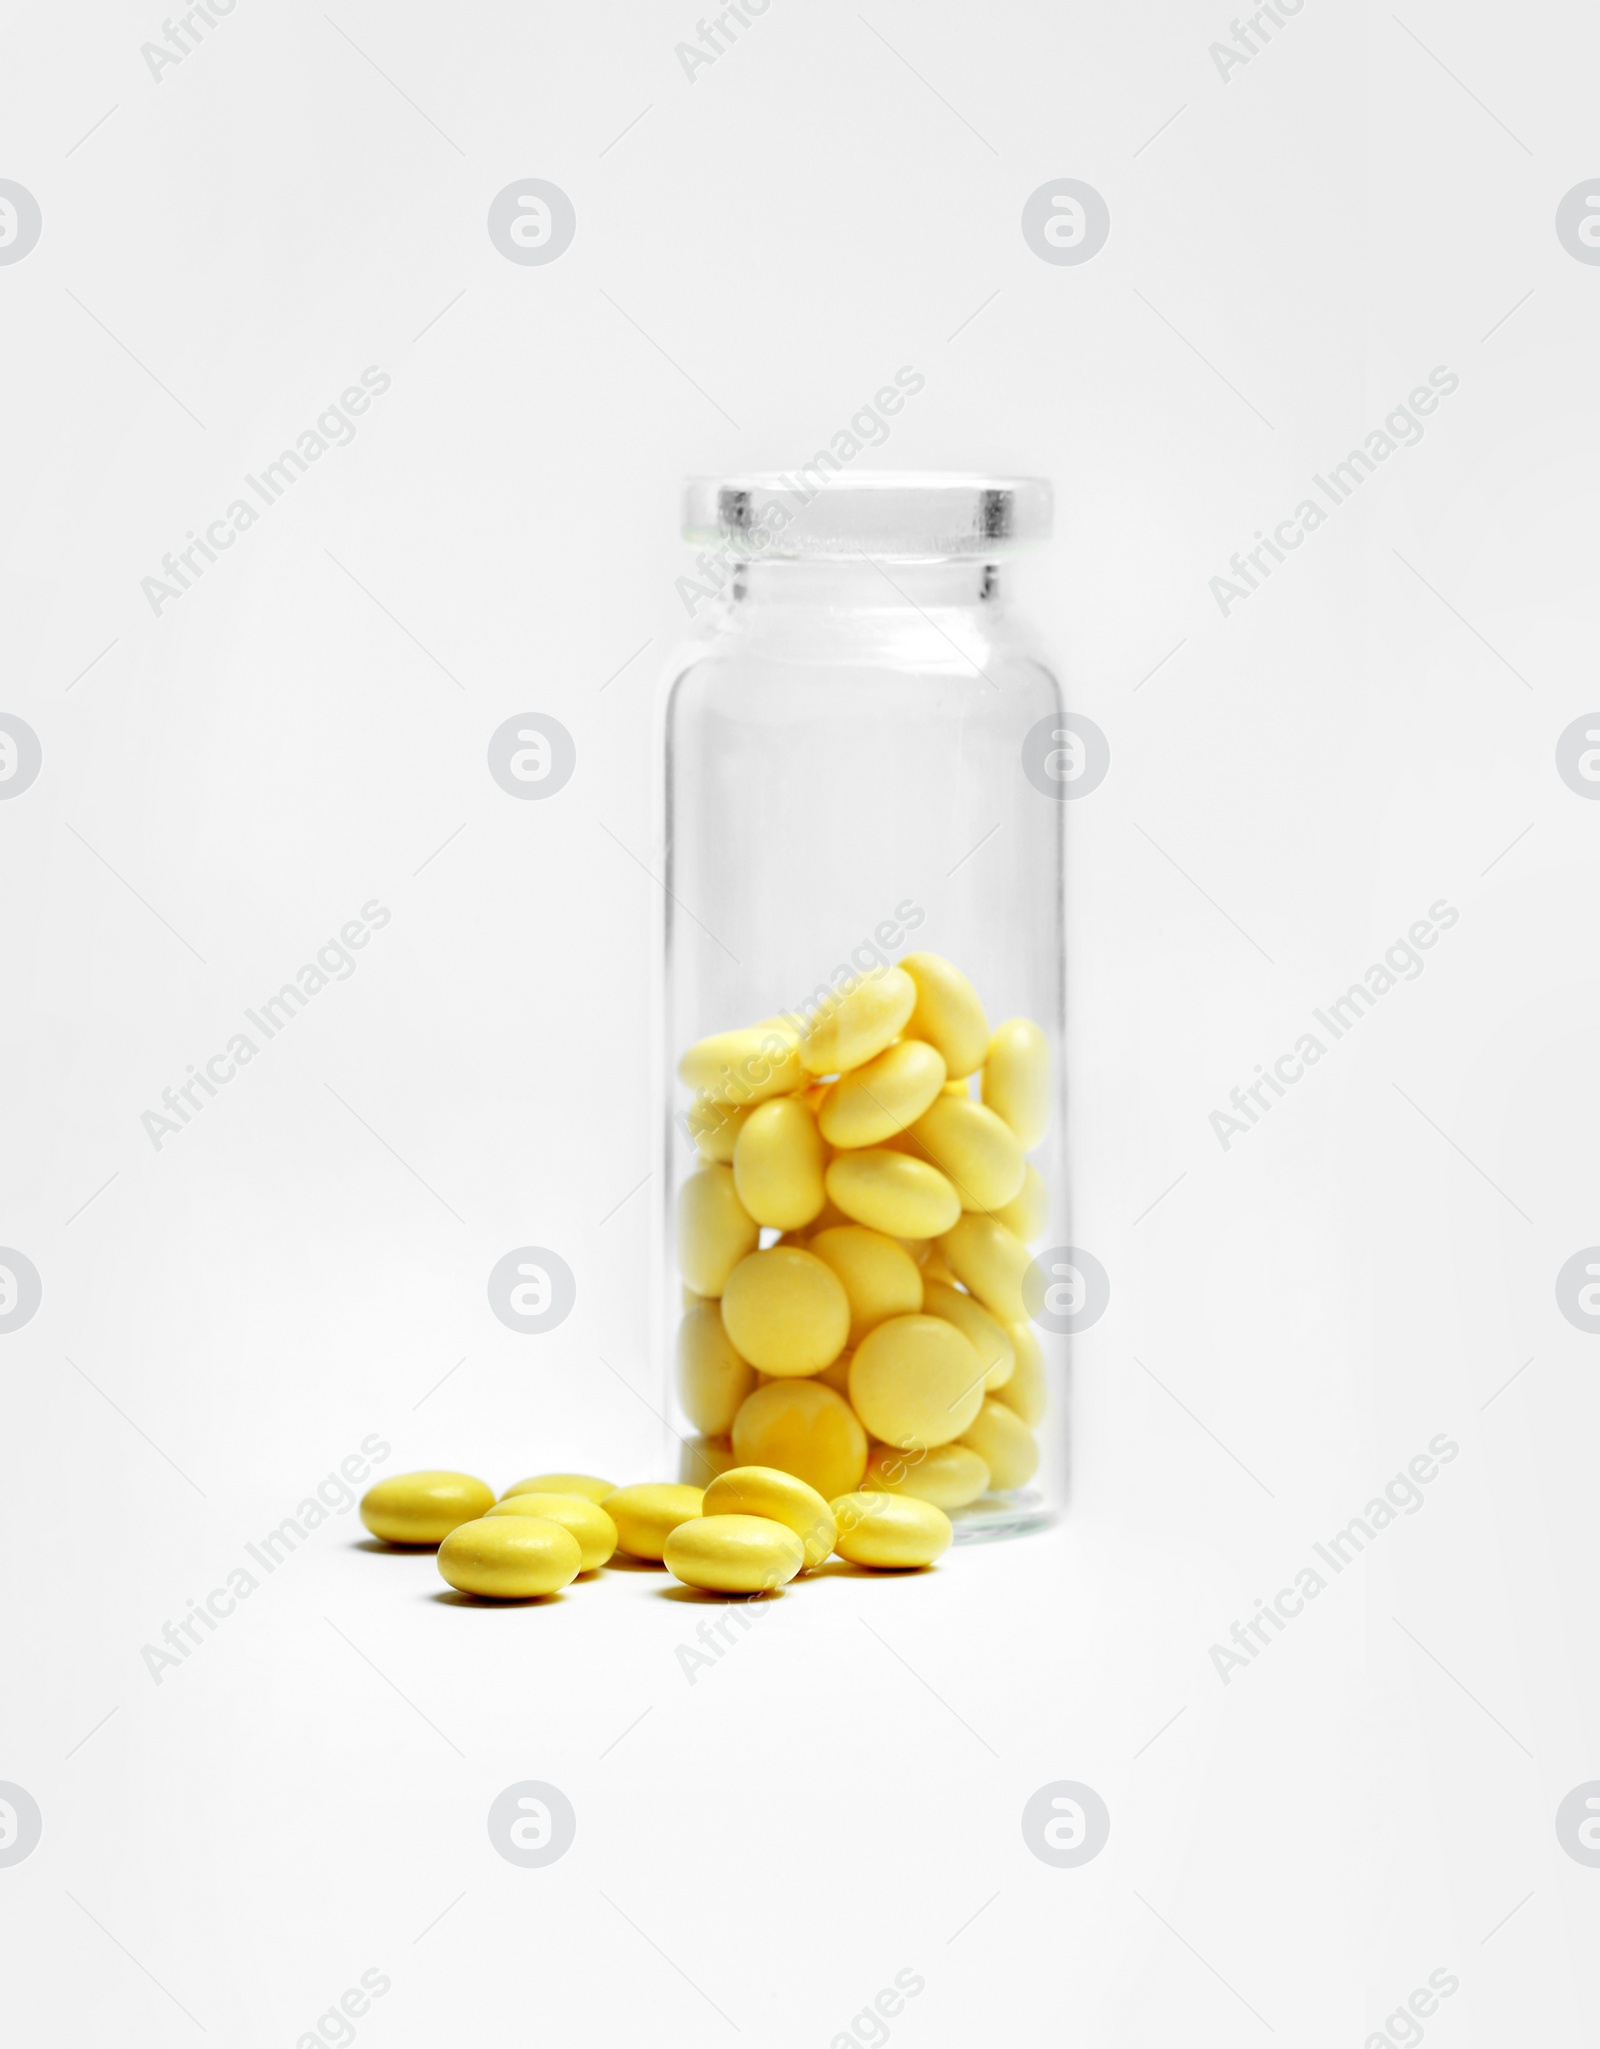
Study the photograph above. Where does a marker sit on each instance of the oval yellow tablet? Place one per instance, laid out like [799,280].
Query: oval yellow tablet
[975,1150]
[893,1531]
[781,1498]
[712,1379]
[564,1483]
[874,1101]
[880,1278]
[777,1164]
[715,1128]
[734,1554]
[893,1193]
[1016,1079]
[510,1558]
[646,1516]
[786,1311]
[1026,1391]
[858,1022]
[587,1520]
[715,1230]
[745,1066]
[948,1475]
[987,1337]
[1005,1444]
[916,1381]
[423,1508]
[948,1013]
[1027,1214]
[990,1261]
[806,1429]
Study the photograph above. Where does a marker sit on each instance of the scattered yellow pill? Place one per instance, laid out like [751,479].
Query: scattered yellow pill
[806,1429]
[510,1558]
[786,1311]
[976,1151]
[781,1498]
[987,1337]
[588,1522]
[893,1193]
[1005,1444]
[1027,1214]
[916,1381]
[745,1066]
[645,1516]
[948,1475]
[894,1531]
[777,1164]
[948,1013]
[1016,1079]
[1026,1391]
[990,1261]
[564,1483]
[423,1508]
[734,1554]
[712,1379]
[874,1101]
[859,1022]
[880,1278]
[715,1230]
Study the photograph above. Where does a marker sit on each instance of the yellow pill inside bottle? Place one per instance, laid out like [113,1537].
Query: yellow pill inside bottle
[715,1230]
[804,1428]
[948,1013]
[916,1381]
[786,1311]
[893,1193]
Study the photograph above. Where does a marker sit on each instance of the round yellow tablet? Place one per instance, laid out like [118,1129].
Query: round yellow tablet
[646,1516]
[786,1311]
[734,1554]
[587,1520]
[890,1530]
[880,1277]
[564,1483]
[916,1381]
[806,1429]
[948,1475]
[423,1508]
[510,1558]
[893,1193]
[1005,1444]
[781,1498]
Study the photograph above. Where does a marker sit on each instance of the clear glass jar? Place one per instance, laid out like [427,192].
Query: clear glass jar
[861,764]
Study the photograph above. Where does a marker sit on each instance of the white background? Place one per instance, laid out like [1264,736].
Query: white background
[226,784]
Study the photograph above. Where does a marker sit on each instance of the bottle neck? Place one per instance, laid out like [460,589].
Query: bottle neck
[867,584]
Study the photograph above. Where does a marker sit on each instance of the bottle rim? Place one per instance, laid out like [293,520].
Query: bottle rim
[811,513]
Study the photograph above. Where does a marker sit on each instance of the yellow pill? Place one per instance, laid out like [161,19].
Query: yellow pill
[564,1483]
[1026,1215]
[777,1164]
[712,1379]
[948,1475]
[423,1508]
[1026,1391]
[715,1128]
[715,1230]
[948,1013]
[745,1066]
[734,1554]
[1005,1444]
[880,1278]
[916,1381]
[701,1459]
[890,1091]
[893,1193]
[510,1558]
[987,1337]
[806,1429]
[781,1498]
[858,1022]
[786,1311]
[1016,1079]
[646,1516]
[588,1522]
[892,1531]
[974,1149]
[990,1261]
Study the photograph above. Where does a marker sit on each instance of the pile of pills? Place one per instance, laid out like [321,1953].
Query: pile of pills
[750,1532]
[854,1241]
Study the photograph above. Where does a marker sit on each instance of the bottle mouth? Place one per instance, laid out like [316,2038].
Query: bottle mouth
[819,512]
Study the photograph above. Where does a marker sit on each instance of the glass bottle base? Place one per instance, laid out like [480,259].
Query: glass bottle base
[1001,1515]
